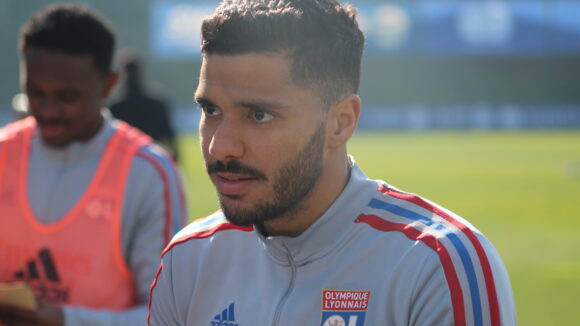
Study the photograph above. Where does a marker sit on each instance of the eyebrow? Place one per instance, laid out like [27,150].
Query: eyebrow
[30,84]
[262,105]
[201,100]
[252,105]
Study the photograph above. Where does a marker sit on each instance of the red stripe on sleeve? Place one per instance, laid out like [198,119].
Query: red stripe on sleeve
[485,265]
[182,202]
[195,235]
[206,234]
[432,242]
[166,194]
[151,292]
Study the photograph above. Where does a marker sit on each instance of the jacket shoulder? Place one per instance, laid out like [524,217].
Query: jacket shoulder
[204,228]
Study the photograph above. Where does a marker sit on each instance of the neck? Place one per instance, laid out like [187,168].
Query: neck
[90,133]
[321,197]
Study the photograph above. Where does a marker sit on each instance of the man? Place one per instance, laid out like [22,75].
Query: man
[143,110]
[304,237]
[87,202]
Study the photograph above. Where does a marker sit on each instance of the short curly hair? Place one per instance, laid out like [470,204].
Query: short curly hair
[71,29]
[322,37]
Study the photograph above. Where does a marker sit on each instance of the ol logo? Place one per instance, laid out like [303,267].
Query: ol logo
[99,209]
[334,320]
[344,307]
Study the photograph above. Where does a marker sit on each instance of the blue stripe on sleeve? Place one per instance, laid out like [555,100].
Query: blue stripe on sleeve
[457,243]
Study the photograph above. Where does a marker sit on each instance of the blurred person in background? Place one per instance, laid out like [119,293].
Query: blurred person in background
[304,237]
[87,202]
[142,109]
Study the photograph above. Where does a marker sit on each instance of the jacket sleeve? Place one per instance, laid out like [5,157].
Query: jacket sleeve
[162,307]
[431,296]
[153,211]
[86,317]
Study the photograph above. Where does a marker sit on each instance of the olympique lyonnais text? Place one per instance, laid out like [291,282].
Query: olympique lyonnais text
[341,300]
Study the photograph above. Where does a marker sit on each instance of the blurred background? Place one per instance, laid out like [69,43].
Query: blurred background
[429,63]
[472,104]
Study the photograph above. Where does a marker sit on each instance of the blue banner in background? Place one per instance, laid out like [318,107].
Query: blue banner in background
[389,27]
[483,27]
[567,23]
[428,27]
[175,29]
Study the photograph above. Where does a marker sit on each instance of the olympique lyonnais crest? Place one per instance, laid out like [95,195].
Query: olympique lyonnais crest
[344,307]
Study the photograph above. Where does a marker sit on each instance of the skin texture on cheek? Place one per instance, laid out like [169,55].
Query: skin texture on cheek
[291,183]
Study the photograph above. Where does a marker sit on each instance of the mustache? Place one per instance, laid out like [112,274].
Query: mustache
[52,121]
[234,166]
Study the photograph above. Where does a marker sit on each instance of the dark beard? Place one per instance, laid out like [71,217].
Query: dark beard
[291,185]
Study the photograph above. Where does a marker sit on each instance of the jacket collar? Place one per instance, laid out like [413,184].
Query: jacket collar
[330,230]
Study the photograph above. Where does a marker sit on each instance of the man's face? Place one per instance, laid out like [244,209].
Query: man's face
[65,94]
[262,137]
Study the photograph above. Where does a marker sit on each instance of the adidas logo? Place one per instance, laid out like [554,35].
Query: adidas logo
[225,318]
[47,264]
[50,291]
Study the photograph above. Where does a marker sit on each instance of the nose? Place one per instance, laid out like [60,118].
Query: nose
[44,107]
[225,140]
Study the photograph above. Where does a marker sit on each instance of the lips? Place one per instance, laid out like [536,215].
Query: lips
[50,130]
[231,184]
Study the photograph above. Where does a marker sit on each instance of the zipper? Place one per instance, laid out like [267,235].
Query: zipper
[288,290]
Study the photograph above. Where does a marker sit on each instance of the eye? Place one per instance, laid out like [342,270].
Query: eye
[68,97]
[261,116]
[209,110]
[33,93]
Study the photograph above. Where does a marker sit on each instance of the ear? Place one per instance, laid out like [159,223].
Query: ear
[110,82]
[343,118]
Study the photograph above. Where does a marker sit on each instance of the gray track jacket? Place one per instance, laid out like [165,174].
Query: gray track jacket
[377,256]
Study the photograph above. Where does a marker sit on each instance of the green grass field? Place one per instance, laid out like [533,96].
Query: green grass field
[521,189]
